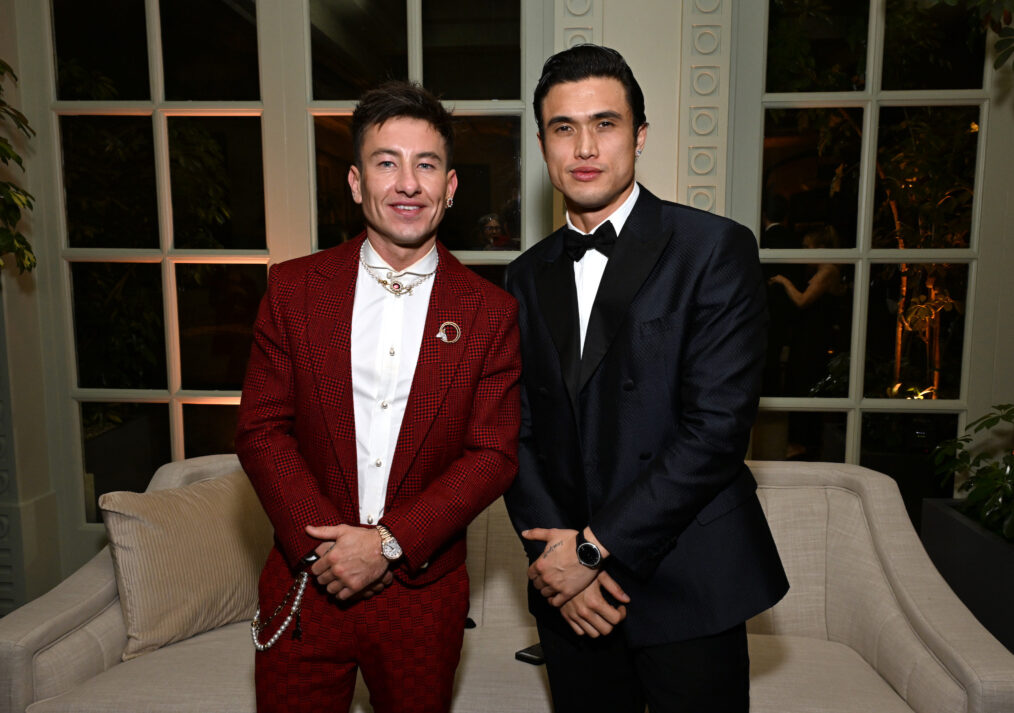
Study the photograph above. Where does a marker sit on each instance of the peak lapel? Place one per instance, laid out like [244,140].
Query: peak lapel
[437,363]
[638,248]
[330,317]
[554,284]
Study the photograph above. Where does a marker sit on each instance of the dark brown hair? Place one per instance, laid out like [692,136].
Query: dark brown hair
[393,100]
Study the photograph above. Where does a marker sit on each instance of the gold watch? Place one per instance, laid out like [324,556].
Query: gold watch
[389,546]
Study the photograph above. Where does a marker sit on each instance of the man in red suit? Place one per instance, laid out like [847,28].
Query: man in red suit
[379,416]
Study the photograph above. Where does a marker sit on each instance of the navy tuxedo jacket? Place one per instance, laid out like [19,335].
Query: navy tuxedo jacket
[643,437]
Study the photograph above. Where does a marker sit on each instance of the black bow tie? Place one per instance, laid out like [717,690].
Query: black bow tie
[577,244]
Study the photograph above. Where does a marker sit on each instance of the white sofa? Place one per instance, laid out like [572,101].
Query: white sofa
[868,625]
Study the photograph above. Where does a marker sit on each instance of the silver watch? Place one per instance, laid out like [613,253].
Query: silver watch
[389,546]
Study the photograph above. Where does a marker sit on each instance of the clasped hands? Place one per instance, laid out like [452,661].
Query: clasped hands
[574,589]
[351,565]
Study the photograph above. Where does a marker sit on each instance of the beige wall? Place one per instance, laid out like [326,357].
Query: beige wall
[652,49]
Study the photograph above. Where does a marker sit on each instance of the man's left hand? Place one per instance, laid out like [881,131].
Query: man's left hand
[557,574]
[354,562]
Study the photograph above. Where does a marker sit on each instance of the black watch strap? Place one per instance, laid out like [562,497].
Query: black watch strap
[588,553]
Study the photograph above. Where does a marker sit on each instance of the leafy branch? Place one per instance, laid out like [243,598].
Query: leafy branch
[988,473]
[13,198]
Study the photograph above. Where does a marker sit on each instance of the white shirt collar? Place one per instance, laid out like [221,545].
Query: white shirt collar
[427,263]
[618,217]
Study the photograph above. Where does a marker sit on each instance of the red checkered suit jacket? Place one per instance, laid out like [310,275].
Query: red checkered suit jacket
[456,451]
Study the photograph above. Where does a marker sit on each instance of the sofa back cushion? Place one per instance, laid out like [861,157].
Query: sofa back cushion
[187,559]
[497,571]
[798,518]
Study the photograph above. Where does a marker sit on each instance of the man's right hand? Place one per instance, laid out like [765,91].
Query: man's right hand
[589,613]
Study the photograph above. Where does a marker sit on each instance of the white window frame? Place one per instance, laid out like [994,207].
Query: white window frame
[978,386]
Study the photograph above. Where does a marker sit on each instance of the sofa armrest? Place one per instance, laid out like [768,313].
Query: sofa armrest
[883,597]
[979,663]
[68,635]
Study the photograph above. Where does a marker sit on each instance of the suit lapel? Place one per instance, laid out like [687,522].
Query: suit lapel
[437,363]
[331,315]
[638,248]
[554,285]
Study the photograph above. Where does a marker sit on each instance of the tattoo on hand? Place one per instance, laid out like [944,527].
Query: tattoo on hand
[550,548]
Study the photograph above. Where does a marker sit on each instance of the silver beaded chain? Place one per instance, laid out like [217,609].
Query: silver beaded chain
[257,626]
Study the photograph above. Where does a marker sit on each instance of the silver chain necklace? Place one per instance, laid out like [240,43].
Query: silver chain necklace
[393,283]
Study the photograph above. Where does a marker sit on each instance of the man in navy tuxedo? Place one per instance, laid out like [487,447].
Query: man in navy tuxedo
[643,337]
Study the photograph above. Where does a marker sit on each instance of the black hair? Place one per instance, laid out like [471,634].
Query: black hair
[394,100]
[584,61]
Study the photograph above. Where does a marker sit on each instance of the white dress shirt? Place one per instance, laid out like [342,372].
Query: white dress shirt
[588,270]
[387,332]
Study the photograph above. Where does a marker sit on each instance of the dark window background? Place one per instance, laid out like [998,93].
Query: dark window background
[101,49]
[209,50]
[356,45]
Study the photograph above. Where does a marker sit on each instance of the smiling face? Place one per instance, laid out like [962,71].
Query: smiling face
[590,146]
[403,186]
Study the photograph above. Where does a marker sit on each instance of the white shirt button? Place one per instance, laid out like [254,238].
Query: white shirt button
[384,404]
[369,519]
[391,351]
[378,462]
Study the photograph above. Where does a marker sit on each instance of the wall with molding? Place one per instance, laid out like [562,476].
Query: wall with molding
[680,53]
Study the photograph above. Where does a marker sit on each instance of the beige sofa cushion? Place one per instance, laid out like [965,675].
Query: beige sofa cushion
[797,674]
[186,559]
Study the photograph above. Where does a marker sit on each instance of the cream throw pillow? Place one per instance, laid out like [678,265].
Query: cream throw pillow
[187,559]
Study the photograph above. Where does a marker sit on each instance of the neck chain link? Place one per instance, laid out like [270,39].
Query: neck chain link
[393,282]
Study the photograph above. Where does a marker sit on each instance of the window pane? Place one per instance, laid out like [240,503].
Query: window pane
[472,50]
[811,325]
[817,46]
[925,176]
[339,218]
[938,46]
[487,205]
[209,49]
[915,329]
[799,435]
[356,45]
[811,173]
[101,49]
[217,308]
[208,430]
[109,181]
[901,445]
[124,444]
[493,273]
[118,325]
[217,179]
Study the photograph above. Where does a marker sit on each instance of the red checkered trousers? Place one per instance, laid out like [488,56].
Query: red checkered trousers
[405,640]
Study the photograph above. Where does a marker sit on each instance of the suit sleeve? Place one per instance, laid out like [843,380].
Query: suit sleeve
[488,462]
[265,443]
[719,385]
[529,502]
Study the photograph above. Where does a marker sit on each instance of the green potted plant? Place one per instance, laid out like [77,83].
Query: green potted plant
[971,539]
[13,198]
